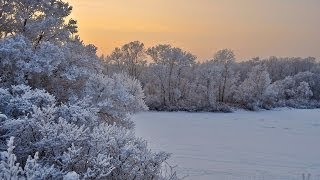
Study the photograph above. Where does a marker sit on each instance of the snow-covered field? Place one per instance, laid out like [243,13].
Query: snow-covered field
[267,145]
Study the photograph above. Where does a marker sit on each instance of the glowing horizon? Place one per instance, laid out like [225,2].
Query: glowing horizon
[250,27]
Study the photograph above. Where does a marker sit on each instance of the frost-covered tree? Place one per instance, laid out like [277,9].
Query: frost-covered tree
[169,66]
[116,60]
[208,73]
[38,20]
[281,67]
[313,79]
[134,57]
[303,91]
[130,58]
[252,91]
[207,79]
[225,59]
[6,17]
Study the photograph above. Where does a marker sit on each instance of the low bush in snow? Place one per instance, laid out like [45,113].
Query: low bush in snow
[69,139]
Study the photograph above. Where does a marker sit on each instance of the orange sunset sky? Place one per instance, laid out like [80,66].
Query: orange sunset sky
[250,27]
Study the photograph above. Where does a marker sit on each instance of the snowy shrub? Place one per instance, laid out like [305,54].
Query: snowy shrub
[69,139]
[18,101]
[79,112]
[12,170]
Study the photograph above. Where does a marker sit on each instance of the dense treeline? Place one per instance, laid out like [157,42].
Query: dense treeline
[174,79]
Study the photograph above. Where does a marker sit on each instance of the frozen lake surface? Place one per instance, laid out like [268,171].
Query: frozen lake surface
[280,144]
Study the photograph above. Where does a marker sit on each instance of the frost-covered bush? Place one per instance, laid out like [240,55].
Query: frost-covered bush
[18,101]
[12,170]
[290,92]
[68,139]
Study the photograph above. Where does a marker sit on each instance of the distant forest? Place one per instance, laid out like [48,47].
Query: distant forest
[174,79]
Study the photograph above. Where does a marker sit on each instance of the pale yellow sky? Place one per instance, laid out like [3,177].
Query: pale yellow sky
[250,27]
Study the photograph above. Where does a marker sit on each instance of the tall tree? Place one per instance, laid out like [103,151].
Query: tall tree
[170,61]
[130,58]
[134,55]
[226,59]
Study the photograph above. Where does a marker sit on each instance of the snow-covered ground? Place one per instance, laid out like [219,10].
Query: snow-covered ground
[267,145]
